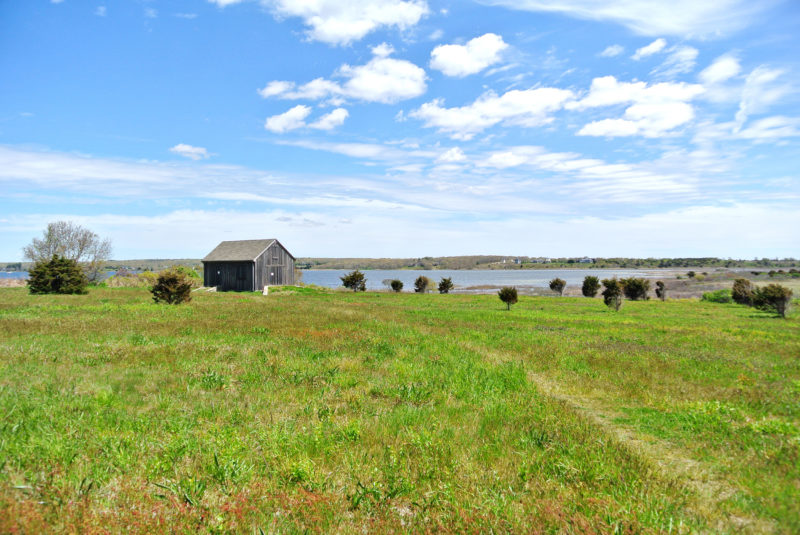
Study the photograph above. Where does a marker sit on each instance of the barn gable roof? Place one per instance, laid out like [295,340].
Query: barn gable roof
[241,250]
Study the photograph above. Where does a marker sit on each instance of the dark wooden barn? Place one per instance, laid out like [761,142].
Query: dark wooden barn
[248,265]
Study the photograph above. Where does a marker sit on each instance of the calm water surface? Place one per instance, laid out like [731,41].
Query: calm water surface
[463,278]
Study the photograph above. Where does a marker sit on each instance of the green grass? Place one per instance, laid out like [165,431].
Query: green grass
[318,411]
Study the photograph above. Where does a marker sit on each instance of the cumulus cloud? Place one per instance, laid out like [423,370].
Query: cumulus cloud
[331,120]
[721,70]
[531,107]
[383,79]
[295,118]
[612,51]
[100,11]
[653,48]
[653,110]
[188,151]
[471,58]
[340,22]
[292,119]
[684,18]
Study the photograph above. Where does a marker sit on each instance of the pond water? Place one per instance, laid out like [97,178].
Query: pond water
[13,274]
[476,277]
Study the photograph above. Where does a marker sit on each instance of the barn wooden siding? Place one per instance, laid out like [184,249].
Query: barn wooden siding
[229,276]
[249,265]
[277,267]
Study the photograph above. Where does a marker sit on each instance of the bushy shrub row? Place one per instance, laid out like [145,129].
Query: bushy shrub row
[356,281]
[772,297]
[61,275]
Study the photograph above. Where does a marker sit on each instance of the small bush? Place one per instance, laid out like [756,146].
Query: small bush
[355,280]
[445,285]
[718,296]
[508,295]
[635,289]
[591,285]
[558,285]
[612,294]
[422,284]
[58,275]
[773,297]
[700,277]
[661,290]
[690,274]
[172,287]
[396,285]
[742,292]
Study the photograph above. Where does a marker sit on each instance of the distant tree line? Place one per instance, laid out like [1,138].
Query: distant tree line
[527,262]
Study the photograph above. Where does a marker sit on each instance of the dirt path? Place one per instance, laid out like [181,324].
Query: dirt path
[710,489]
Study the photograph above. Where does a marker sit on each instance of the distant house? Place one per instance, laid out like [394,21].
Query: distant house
[586,261]
[248,265]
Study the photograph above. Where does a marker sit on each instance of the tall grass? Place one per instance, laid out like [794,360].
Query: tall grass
[320,411]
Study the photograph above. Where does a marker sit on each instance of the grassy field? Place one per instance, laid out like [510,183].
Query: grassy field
[320,411]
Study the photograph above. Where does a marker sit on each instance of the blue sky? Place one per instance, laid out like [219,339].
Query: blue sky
[397,128]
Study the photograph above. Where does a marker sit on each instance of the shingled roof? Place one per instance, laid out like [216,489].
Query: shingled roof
[241,250]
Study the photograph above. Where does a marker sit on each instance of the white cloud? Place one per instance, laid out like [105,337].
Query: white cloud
[365,151]
[340,22]
[382,79]
[100,11]
[759,93]
[654,109]
[295,118]
[681,59]
[292,119]
[531,107]
[722,69]
[276,88]
[150,13]
[685,18]
[648,120]
[224,3]
[463,60]
[452,155]
[331,120]
[384,209]
[653,48]
[771,128]
[188,151]
[612,50]
[436,35]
